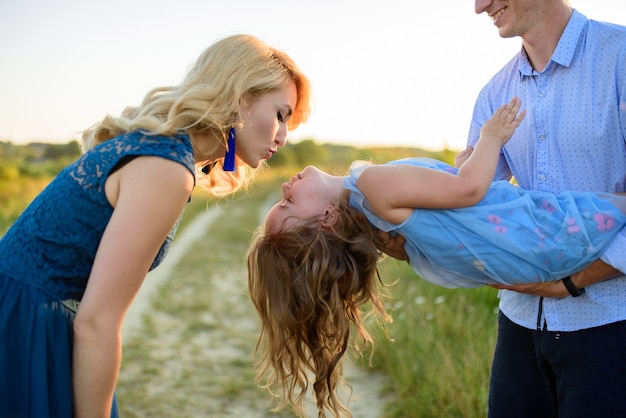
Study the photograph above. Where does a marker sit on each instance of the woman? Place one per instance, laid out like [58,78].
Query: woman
[314,263]
[72,263]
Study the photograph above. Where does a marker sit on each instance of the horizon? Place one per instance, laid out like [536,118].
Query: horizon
[378,78]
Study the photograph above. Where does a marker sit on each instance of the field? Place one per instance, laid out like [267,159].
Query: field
[190,354]
[190,335]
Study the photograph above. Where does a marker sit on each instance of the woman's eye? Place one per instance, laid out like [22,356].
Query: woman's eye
[280,117]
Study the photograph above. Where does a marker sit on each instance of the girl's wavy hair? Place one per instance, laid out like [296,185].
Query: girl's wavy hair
[234,68]
[309,286]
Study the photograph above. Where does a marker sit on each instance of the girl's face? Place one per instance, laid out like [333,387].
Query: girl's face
[306,195]
[262,124]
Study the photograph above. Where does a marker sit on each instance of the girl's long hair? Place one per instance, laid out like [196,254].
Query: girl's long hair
[309,286]
[234,68]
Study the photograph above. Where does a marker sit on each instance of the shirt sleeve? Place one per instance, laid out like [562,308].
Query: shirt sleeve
[614,253]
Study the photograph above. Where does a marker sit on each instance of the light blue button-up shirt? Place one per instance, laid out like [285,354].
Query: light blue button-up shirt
[572,138]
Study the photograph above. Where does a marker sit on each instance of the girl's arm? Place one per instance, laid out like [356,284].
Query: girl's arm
[148,194]
[393,191]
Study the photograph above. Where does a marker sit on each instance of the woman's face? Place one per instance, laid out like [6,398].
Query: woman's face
[262,124]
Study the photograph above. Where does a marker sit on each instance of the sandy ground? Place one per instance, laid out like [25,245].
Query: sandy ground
[367,401]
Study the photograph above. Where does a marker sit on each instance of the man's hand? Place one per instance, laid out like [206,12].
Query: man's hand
[394,246]
[595,272]
[555,289]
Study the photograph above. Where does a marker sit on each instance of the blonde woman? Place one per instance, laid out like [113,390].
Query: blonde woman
[72,263]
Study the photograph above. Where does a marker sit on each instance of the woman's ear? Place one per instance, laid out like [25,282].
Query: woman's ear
[245,102]
[330,217]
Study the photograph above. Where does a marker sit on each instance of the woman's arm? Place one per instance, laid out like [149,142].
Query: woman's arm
[148,194]
[393,191]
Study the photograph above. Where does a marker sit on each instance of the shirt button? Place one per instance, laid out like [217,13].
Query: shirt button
[542,94]
[543,178]
[542,137]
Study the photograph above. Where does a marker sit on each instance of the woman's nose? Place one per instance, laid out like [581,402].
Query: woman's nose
[281,136]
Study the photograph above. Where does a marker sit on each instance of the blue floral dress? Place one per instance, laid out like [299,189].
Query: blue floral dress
[45,261]
[512,236]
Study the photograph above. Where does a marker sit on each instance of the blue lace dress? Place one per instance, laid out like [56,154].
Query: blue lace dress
[45,261]
[512,236]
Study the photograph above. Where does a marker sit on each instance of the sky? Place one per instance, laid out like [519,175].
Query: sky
[384,73]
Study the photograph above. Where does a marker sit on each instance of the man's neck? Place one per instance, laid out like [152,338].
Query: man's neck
[541,41]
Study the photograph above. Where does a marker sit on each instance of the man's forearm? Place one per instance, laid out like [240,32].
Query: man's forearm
[596,272]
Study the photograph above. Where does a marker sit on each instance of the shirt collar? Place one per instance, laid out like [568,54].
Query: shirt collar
[565,49]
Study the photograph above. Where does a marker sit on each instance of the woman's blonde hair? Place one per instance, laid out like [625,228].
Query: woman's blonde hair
[308,286]
[234,68]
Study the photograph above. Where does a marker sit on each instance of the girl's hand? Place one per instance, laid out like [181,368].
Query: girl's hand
[503,122]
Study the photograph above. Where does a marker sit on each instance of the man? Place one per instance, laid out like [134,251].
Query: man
[561,349]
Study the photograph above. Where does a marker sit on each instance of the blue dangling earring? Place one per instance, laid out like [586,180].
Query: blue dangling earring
[229,158]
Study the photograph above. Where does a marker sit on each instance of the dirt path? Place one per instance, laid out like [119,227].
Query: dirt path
[190,333]
[182,244]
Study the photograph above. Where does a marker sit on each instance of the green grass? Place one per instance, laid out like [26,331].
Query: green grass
[439,346]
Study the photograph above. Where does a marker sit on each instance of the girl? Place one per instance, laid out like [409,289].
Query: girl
[314,263]
[72,263]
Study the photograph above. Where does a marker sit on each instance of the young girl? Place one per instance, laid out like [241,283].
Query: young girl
[72,263]
[314,262]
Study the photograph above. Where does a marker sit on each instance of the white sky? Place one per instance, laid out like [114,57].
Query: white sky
[392,72]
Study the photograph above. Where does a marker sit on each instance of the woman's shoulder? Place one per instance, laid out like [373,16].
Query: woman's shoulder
[135,144]
[95,165]
[168,146]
